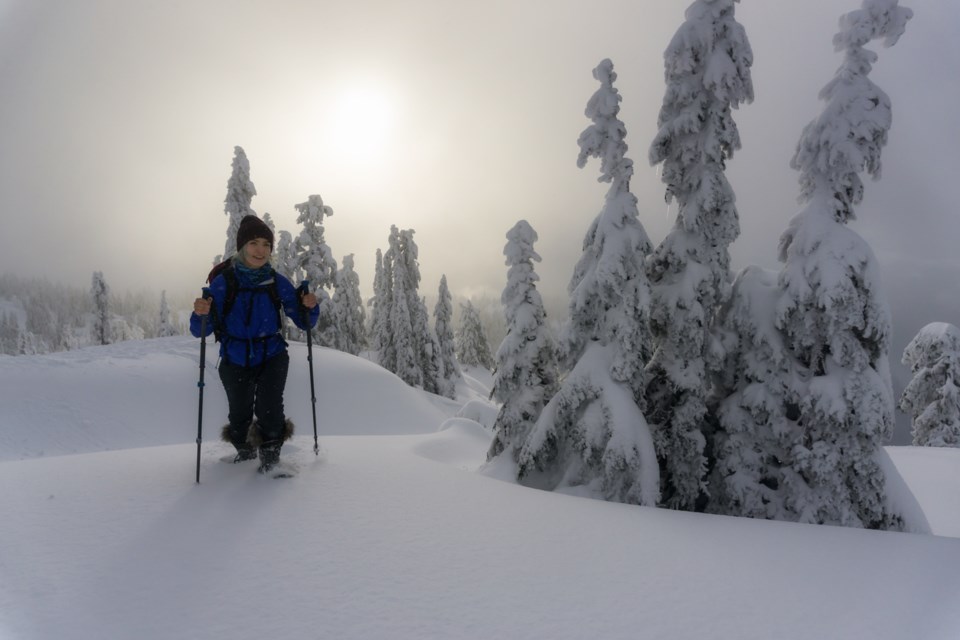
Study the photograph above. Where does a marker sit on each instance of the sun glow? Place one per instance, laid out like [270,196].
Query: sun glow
[363,121]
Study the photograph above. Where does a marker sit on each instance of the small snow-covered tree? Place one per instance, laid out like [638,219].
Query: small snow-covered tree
[526,364]
[267,220]
[286,262]
[9,333]
[315,260]
[707,72]
[101,308]
[448,366]
[473,350]
[164,328]
[932,398]
[286,257]
[236,205]
[832,312]
[348,310]
[593,435]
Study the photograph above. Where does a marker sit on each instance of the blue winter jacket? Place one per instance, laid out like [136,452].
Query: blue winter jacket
[251,334]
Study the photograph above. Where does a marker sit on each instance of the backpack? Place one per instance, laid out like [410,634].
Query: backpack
[233,288]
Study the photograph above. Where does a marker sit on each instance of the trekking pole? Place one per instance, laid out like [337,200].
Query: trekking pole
[304,289]
[200,384]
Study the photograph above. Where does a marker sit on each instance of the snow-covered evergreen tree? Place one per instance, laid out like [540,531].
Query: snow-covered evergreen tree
[448,366]
[756,419]
[472,347]
[9,334]
[349,313]
[315,260]
[833,313]
[593,434]
[267,220]
[164,328]
[236,205]
[933,396]
[285,260]
[379,304]
[286,257]
[707,72]
[101,308]
[381,332]
[526,363]
[401,330]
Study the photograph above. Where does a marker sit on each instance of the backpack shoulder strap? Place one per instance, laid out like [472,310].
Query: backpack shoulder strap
[230,277]
[274,293]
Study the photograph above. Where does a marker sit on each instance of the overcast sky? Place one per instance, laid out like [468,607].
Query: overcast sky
[118,121]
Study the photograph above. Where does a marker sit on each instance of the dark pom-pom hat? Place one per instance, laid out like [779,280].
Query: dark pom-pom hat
[251,228]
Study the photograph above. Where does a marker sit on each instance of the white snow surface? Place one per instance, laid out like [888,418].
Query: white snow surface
[390,532]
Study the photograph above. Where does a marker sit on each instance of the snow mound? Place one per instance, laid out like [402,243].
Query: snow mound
[933,477]
[358,397]
[479,411]
[461,442]
[144,393]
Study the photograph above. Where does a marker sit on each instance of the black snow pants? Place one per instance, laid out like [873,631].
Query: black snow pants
[256,391]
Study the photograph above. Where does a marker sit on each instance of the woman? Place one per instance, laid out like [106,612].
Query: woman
[247,297]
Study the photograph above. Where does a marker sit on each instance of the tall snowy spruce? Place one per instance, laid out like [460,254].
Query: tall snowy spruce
[349,315]
[380,312]
[317,263]
[592,436]
[473,349]
[448,367]
[832,311]
[101,308]
[526,372]
[933,396]
[236,205]
[707,73]
[402,330]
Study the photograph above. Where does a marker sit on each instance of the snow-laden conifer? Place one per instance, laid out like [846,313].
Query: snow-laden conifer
[473,349]
[448,366]
[592,435]
[423,340]
[348,310]
[9,333]
[380,310]
[707,72]
[755,432]
[932,398]
[286,257]
[317,263]
[236,205]
[832,311]
[401,331]
[101,308]
[526,365]
[164,328]
[285,261]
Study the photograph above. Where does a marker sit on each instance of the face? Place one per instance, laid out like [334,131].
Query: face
[256,253]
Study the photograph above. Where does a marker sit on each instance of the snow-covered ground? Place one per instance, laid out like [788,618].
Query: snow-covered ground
[390,533]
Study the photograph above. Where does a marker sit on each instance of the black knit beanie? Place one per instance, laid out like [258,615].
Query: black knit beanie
[251,228]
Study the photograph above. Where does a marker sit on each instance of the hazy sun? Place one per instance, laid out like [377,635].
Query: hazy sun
[363,122]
